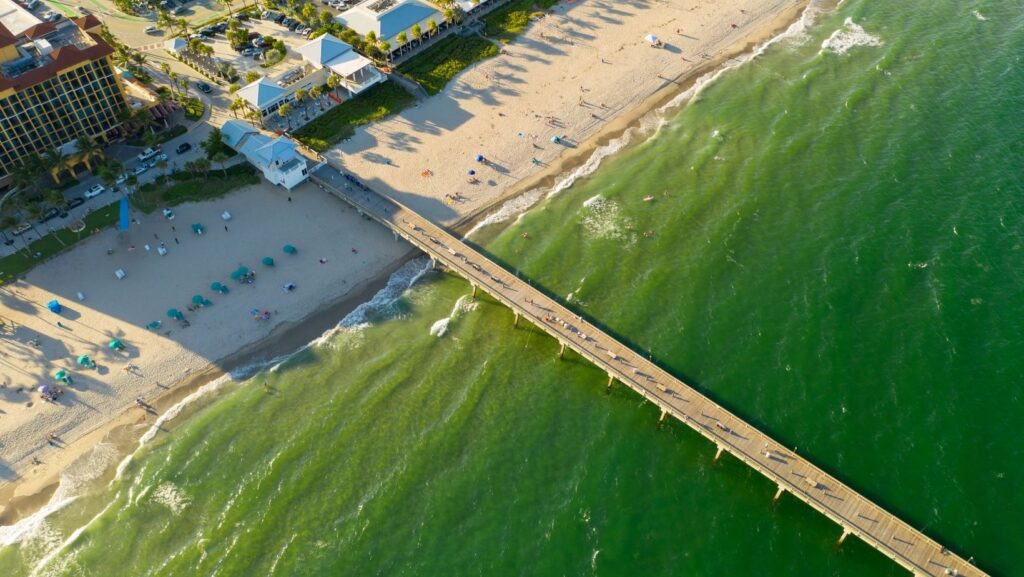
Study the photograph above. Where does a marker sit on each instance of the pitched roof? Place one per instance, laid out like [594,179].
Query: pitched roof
[387,24]
[234,131]
[348,63]
[261,93]
[279,150]
[323,49]
[175,44]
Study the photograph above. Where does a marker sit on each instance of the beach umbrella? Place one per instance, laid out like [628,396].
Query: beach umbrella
[60,375]
[153,325]
[268,261]
[472,172]
[216,287]
[84,360]
[243,270]
[479,158]
[555,140]
[54,306]
[236,275]
[198,299]
[197,228]
[651,38]
[45,389]
[289,249]
[175,314]
[116,345]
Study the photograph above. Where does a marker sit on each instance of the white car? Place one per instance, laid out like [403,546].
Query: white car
[151,30]
[159,157]
[94,191]
[140,169]
[146,154]
[121,178]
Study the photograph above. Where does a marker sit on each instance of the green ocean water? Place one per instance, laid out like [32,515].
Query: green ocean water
[833,251]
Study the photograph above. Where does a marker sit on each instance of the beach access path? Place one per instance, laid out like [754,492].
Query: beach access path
[575,73]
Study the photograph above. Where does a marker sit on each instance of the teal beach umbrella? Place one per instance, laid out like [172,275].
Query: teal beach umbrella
[116,345]
[289,249]
[175,314]
[268,261]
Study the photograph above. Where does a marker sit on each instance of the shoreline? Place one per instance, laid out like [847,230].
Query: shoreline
[29,494]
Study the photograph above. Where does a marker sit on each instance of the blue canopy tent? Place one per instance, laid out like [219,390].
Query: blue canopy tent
[54,306]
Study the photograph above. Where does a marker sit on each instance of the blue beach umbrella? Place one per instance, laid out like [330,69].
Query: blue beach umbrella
[117,345]
[175,314]
[268,261]
[479,158]
[289,249]
[60,375]
[198,299]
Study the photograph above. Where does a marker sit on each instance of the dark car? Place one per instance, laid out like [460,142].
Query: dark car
[278,18]
[183,148]
[50,214]
[294,25]
[204,87]
[221,27]
[77,201]
[241,17]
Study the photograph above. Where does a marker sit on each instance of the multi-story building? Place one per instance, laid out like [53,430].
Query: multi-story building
[57,83]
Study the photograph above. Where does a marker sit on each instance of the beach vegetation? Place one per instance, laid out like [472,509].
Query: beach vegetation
[213,144]
[511,20]
[195,184]
[436,66]
[340,122]
[15,265]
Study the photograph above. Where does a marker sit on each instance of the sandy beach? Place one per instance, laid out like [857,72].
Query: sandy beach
[583,73]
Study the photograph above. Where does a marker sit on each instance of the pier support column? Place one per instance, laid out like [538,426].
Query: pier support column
[515,323]
[778,493]
[561,350]
[433,263]
[718,453]
[661,419]
[846,533]
[474,291]
[611,380]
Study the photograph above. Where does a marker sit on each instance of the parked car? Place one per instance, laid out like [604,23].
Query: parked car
[50,214]
[204,87]
[183,148]
[83,11]
[159,157]
[147,154]
[140,169]
[151,30]
[180,10]
[241,17]
[250,51]
[21,228]
[293,26]
[278,18]
[221,27]
[95,191]
[74,202]
[121,178]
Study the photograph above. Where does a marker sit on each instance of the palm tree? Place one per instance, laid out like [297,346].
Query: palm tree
[131,182]
[173,76]
[183,83]
[220,158]
[402,39]
[164,20]
[300,97]
[236,105]
[227,4]
[284,111]
[431,27]
[417,32]
[88,148]
[54,198]
[183,26]
[55,163]
[371,37]
[161,165]
[5,223]
[25,176]
[317,92]
[333,82]
[385,47]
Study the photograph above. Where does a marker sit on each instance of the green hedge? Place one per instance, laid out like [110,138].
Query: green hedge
[339,123]
[181,187]
[52,244]
[436,66]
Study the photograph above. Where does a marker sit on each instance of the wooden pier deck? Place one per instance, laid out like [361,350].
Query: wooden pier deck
[791,473]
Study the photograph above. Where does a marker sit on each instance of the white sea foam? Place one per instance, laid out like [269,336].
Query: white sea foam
[462,306]
[72,482]
[398,283]
[847,37]
[979,16]
[512,208]
[171,496]
[604,220]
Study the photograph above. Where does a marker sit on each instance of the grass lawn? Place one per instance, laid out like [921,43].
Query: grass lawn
[181,187]
[162,136]
[193,107]
[50,245]
[511,20]
[441,62]
[339,123]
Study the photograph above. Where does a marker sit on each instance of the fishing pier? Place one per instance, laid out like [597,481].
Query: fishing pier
[792,474]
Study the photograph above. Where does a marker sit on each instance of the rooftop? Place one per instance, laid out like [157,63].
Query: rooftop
[261,93]
[15,18]
[44,49]
[387,18]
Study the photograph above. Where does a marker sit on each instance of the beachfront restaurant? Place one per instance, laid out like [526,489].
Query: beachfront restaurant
[266,95]
[275,157]
[389,18]
[355,71]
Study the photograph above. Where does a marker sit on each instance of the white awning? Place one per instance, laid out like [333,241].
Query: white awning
[349,63]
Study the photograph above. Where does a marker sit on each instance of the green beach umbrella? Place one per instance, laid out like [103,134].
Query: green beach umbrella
[84,360]
[268,261]
[216,286]
[289,249]
[236,275]
[116,345]
[153,325]
[174,314]
[60,375]
[198,300]
[243,270]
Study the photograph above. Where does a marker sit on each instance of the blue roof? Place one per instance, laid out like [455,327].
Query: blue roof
[261,93]
[403,18]
[234,131]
